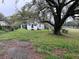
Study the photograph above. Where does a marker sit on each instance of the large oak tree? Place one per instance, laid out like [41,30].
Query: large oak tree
[61,10]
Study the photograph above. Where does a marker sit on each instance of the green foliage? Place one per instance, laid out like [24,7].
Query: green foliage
[2,32]
[52,57]
[22,16]
[44,49]
[68,57]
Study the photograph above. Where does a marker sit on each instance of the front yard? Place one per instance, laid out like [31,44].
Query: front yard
[47,44]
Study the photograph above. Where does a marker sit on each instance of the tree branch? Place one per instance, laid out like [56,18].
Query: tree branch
[51,7]
[70,11]
[52,2]
[68,2]
[47,22]
[63,1]
[76,12]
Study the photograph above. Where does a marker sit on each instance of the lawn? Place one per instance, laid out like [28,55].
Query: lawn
[48,44]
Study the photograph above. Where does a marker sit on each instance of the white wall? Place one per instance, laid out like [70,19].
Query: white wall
[41,26]
[36,27]
[28,27]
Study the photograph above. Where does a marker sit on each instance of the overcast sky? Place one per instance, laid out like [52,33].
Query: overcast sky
[9,6]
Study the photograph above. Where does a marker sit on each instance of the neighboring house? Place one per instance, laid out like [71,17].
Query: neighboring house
[71,24]
[33,26]
[4,23]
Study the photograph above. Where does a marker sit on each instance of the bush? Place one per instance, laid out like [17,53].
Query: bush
[64,31]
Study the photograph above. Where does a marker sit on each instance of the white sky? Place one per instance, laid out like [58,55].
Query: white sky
[8,7]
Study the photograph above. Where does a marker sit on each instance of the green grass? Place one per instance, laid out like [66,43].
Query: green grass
[45,42]
[52,57]
[2,32]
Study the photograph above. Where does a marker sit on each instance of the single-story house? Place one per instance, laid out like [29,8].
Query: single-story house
[33,26]
[27,25]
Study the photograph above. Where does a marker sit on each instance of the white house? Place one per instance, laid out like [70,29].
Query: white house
[33,26]
[3,23]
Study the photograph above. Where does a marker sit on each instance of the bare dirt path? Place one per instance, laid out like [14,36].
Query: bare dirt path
[18,50]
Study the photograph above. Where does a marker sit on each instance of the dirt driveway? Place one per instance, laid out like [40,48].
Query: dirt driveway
[18,50]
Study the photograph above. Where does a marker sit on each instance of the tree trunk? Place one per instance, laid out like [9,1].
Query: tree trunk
[57,30]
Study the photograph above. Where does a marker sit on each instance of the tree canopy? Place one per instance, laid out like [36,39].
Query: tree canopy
[60,9]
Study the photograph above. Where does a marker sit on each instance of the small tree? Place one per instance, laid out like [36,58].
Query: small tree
[22,16]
